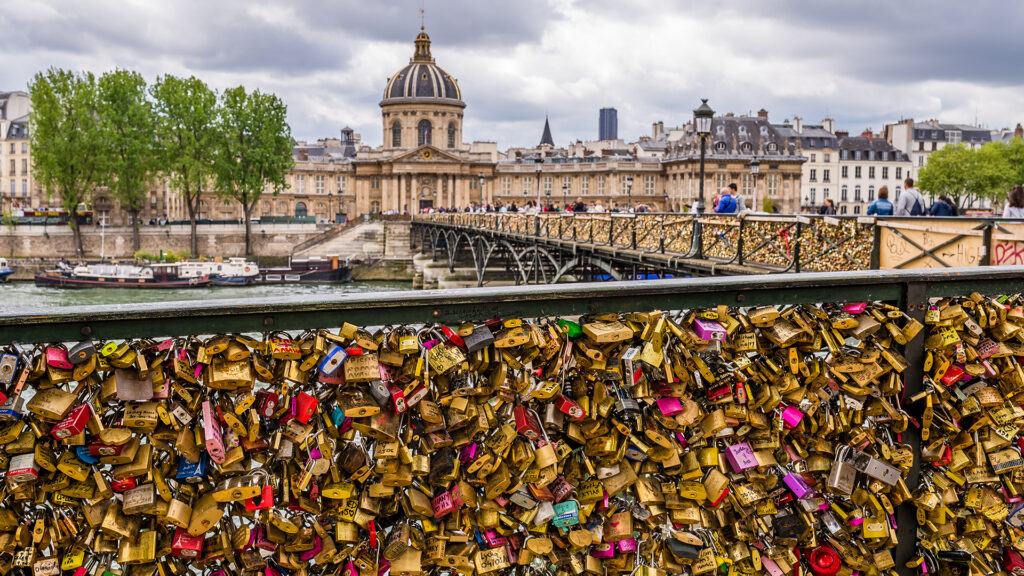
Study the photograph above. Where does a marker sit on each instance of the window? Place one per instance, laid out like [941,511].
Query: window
[824,193]
[300,184]
[396,134]
[451,134]
[12,147]
[374,207]
[846,171]
[842,193]
[585,185]
[720,181]
[14,164]
[624,186]
[898,192]
[814,195]
[953,136]
[871,193]
[472,183]
[920,146]
[746,183]
[24,147]
[856,193]
[871,171]
[773,184]
[375,182]
[935,146]
[899,172]
[920,161]
[24,187]
[856,209]
[12,186]
[506,186]
[320,179]
[885,172]
[856,171]
[566,184]
[527,185]
[842,209]
[649,184]
[814,175]
[814,157]
[828,157]
[423,132]
[300,210]
[342,181]
[600,185]
[826,175]
[546,181]
[24,166]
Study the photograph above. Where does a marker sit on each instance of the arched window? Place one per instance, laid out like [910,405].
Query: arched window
[451,134]
[843,194]
[300,210]
[871,193]
[856,193]
[396,134]
[423,132]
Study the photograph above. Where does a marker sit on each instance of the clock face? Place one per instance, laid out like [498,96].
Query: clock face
[426,154]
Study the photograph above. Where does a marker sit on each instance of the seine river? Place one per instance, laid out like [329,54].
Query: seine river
[28,295]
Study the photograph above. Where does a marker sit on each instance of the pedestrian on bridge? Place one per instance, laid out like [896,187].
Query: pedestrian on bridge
[1014,203]
[910,203]
[882,206]
[726,203]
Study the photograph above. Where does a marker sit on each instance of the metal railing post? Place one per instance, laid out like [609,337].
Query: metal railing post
[632,226]
[876,247]
[986,260]
[739,241]
[796,249]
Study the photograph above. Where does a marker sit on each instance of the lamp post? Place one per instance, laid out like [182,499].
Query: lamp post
[702,118]
[483,199]
[664,206]
[565,195]
[539,161]
[755,167]
[629,193]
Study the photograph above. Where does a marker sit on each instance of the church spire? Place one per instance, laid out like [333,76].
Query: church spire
[546,137]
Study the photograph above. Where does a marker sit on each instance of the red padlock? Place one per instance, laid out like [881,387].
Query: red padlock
[123,485]
[73,424]
[185,545]
[824,561]
[570,408]
[1013,562]
[58,358]
[305,407]
[98,448]
[397,397]
[452,336]
[266,403]
[527,422]
[262,502]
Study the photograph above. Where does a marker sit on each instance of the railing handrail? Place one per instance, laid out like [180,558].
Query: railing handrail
[457,305]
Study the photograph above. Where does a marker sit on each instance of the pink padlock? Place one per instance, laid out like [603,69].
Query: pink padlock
[58,358]
[494,539]
[740,457]
[603,550]
[212,434]
[627,546]
[772,568]
[709,330]
[670,406]
[792,416]
[855,307]
[442,505]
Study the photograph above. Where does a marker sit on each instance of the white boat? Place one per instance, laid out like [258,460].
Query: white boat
[235,270]
[5,270]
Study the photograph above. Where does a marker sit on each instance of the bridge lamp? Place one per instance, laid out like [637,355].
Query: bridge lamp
[702,118]
[480,180]
[539,161]
[565,194]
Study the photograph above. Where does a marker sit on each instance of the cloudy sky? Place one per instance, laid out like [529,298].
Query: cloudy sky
[862,63]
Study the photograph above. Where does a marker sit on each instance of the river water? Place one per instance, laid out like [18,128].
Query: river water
[28,295]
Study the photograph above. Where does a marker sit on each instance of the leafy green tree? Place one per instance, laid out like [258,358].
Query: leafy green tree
[768,205]
[187,127]
[67,148]
[128,132]
[964,174]
[1014,153]
[254,151]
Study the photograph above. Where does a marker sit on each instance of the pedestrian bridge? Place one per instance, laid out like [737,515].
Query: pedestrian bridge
[549,248]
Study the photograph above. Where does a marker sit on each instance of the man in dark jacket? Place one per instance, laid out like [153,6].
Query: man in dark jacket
[942,207]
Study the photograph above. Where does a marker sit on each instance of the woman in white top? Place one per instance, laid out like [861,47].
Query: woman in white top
[1015,203]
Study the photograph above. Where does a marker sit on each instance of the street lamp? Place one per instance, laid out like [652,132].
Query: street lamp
[629,193]
[480,180]
[664,206]
[565,194]
[702,118]
[755,167]
[539,161]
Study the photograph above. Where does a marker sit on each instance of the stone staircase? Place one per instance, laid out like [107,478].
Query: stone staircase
[364,240]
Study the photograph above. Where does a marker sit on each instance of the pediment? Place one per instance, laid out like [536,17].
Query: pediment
[427,153]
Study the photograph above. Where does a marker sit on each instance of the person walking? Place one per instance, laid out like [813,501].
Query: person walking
[1014,207]
[881,206]
[726,203]
[942,207]
[828,208]
[910,203]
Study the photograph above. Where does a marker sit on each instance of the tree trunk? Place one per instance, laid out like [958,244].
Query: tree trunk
[136,240]
[192,204]
[246,210]
[76,225]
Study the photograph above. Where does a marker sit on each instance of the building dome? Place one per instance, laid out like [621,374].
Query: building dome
[422,79]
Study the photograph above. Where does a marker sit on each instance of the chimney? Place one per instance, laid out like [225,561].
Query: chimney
[1019,131]
[798,124]
[842,134]
[829,125]
[656,130]
[867,134]
[762,113]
